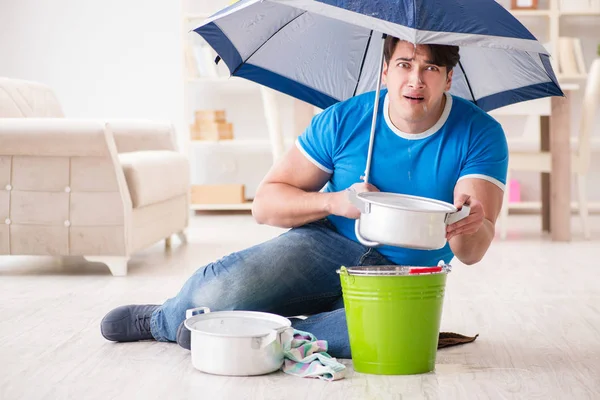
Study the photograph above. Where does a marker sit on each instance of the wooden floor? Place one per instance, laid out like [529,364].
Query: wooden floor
[534,303]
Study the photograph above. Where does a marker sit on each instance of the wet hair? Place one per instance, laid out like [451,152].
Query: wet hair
[442,55]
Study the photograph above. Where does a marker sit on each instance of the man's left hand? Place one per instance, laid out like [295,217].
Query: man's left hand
[470,224]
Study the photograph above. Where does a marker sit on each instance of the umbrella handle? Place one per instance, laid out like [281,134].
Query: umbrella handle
[365,177]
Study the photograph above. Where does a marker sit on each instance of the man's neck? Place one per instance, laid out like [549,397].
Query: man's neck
[418,126]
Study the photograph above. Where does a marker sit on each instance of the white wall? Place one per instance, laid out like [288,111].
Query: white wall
[104,59]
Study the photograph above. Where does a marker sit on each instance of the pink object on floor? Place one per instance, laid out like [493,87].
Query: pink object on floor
[514,191]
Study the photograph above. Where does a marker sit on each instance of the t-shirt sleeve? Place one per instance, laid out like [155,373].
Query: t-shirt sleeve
[487,157]
[317,141]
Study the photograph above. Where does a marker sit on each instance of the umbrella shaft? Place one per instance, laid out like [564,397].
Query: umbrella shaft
[374,121]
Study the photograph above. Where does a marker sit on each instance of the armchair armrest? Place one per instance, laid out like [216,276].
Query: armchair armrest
[54,137]
[138,135]
[54,171]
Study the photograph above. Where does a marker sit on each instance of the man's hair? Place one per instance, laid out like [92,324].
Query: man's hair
[442,55]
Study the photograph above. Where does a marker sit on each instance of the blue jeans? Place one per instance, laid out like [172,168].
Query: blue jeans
[292,274]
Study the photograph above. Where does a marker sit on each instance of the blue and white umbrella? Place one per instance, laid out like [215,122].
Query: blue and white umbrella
[326,51]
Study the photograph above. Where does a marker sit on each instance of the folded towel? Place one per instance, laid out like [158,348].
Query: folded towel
[307,357]
[448,339]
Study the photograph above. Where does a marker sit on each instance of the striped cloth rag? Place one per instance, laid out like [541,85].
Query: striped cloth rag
[307,357]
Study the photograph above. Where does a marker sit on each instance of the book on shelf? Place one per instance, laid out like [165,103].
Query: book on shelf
[570,56]
[205,61]
[199,61]
[191,69]
[579,5]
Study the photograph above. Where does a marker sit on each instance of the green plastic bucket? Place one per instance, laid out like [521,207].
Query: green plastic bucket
[393,315]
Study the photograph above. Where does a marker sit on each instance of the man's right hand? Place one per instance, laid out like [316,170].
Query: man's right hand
[341,204]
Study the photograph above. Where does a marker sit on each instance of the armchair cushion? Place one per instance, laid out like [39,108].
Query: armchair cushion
[155,176]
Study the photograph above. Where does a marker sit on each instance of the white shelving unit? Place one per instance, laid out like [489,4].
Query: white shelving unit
[531,13]
[555,16]
[197,86]
[222,207]
[557,22]
[580,13]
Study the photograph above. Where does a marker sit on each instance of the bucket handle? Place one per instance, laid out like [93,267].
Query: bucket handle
[343,272]
[442,266]
[424,270]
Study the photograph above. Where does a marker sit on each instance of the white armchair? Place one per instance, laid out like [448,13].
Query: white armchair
[102,190]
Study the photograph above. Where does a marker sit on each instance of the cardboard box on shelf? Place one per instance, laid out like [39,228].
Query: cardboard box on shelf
[210,115]
[211,125]
[218,194]
[203,130]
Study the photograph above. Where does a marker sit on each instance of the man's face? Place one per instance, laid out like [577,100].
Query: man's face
[415,86]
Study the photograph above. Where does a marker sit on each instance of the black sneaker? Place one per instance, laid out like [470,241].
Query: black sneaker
[184,336]
[128,323]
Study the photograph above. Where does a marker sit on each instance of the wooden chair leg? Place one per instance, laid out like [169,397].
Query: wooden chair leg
[182,237]
[116,265]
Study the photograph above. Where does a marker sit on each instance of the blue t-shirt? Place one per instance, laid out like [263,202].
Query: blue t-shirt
[466,142]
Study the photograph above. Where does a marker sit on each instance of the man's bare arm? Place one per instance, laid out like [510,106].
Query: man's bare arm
[289,194]
[471,237]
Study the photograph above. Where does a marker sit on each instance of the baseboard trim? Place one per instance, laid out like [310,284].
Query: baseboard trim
[535,207]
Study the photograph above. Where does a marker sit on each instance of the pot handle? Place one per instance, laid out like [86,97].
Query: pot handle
[361,239]
[198,310]
[267,340]
[286,338]
[363,206]
[457,216]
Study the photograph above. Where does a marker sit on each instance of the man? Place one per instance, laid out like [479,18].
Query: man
[428,143]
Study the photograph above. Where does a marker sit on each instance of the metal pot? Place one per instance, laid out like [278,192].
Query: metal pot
[237,343]
[403,221]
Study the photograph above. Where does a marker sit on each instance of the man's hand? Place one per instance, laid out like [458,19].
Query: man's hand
[470,224]
[472,236]
[341,204]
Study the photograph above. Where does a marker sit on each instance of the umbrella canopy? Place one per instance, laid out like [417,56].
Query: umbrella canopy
[326,51]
